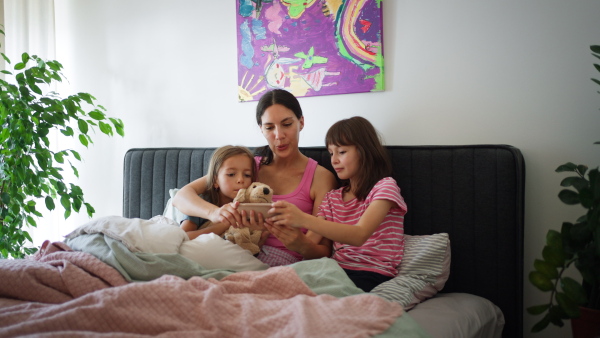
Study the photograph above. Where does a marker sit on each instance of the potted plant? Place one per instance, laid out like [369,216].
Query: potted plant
[576,244]
[30,169]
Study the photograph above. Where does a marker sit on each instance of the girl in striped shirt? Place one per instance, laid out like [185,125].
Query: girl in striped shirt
[365,216]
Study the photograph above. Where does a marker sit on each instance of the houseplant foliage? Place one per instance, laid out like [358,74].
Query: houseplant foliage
[576,244]
[31,171]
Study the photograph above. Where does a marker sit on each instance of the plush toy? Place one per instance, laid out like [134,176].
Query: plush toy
[244,237]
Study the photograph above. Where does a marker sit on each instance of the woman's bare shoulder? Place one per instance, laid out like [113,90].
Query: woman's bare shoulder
[324,178]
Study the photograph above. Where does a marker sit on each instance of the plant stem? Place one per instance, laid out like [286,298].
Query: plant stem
[562,270]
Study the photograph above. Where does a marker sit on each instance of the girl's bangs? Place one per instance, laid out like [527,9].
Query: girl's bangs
[338,136]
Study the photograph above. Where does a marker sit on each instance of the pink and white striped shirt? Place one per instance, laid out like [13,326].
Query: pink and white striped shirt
[383,251]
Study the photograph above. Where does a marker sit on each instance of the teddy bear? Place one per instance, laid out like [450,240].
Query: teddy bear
[245,237]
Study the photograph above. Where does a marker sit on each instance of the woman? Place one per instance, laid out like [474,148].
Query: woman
[293,177]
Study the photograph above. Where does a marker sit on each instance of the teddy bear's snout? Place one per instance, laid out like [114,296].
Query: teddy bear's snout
[266,191]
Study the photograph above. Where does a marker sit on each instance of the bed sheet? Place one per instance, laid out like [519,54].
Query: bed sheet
[458,315]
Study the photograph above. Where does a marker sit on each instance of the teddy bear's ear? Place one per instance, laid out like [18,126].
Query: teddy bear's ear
[241,196]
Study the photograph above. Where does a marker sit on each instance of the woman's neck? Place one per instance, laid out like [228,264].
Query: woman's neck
[296,159]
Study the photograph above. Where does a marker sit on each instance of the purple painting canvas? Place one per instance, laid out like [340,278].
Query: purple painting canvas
[309,47]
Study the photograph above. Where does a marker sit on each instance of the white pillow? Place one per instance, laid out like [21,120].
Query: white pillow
[172,212]
[157,235]
[213,252]
[424,270]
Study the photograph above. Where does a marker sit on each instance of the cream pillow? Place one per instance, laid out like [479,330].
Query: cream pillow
[157,235]
[424,270]
[213,252]
[172,212]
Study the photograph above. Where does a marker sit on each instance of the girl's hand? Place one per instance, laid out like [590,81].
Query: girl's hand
[287,214]
[252,220]
[227,214]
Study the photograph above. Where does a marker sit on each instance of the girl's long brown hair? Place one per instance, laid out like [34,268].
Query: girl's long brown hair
[216,162]
[375,162]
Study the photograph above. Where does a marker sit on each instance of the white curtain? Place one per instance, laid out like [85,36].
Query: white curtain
[29,27]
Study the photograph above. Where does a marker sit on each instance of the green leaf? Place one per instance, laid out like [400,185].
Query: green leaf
[556,313]
[25,58]
[66,202]
[540,281]
[576,182]
[76,154]
[59,157]
[554,256]
[567,305]
[547,269]
[5,198]
[580,234]
[31,221]
[554,239]
[568,197]
[595,48]
[6,58]
[586,198]
[49,203]
[76,204]
[105,128]
[569,166]
[538,309]
[582,169]
[97,115]
[573,290]
[83,126]
[83,140]
[19,66]
[542,324]
[68,131]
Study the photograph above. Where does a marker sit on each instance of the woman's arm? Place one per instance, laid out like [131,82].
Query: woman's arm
[357,235]
[188,202]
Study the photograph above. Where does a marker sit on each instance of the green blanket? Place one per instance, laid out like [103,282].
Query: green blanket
[323,276]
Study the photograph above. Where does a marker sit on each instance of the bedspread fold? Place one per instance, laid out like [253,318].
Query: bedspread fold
[55,274]
[274,302]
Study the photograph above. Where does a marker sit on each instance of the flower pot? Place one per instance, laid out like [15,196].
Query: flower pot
[587,325]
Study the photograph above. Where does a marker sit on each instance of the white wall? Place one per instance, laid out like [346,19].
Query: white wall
[457,72]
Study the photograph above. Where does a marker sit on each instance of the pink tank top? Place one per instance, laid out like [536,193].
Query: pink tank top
[299,197]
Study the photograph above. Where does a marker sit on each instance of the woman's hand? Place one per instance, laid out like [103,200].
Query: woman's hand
[227,214]
[292,238]
[286,213]
[252,220]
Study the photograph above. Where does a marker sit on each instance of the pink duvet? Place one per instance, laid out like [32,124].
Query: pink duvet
[68,292]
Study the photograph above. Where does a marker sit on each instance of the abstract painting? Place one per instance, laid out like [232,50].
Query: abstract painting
[309,47]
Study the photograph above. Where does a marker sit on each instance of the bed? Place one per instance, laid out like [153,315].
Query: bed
[462,275]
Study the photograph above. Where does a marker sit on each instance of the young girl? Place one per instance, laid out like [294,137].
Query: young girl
[231,168]
[365,216]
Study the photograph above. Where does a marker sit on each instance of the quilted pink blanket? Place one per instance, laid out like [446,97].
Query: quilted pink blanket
[70,293]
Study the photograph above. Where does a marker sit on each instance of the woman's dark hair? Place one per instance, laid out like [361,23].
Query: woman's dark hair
[272,97]
[375,161]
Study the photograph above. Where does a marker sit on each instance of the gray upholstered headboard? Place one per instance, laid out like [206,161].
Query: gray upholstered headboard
[473,192]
